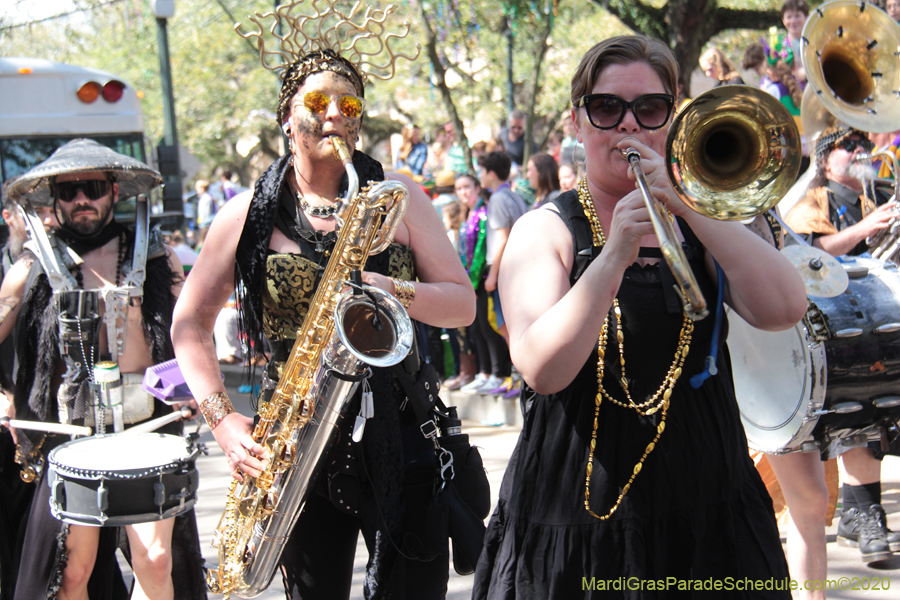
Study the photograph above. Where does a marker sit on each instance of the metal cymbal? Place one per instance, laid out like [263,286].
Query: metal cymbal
[822,274]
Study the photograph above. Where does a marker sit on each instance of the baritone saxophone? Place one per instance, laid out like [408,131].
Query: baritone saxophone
[344,333]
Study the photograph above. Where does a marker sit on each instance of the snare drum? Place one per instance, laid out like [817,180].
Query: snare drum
[114,480]
[833,377]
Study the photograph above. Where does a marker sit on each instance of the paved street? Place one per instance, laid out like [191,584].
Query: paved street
[497,443]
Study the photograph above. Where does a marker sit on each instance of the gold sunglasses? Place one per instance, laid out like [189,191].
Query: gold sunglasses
[350,106]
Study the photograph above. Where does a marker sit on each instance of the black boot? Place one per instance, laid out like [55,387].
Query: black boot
[848,531]
[873,544]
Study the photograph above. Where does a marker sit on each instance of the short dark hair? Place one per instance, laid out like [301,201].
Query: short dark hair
[624,50]
[498,162]
[799,5]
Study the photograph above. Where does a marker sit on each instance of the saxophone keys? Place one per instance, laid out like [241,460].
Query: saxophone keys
[247,507]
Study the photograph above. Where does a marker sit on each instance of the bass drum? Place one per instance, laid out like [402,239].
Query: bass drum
[122,479]
[834,377]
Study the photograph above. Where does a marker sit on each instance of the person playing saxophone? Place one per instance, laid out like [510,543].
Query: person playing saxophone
[275,241]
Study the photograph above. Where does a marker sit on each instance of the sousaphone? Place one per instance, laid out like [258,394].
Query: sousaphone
[851,53]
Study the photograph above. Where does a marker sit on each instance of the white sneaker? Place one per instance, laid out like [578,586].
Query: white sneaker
[475,385]
[492,383]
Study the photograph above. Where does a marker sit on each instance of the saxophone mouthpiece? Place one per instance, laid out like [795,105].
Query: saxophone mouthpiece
[340,149]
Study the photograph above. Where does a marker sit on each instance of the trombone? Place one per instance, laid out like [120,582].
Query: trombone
[731,154]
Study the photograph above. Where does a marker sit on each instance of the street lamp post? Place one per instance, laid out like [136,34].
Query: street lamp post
[167,150]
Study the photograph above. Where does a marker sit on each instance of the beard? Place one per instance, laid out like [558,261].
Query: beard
[858,170]
[88,227]
[16,242]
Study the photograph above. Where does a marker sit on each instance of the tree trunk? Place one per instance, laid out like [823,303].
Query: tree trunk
[541,42]
[441,83]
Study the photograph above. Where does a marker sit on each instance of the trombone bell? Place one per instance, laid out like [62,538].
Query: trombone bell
[733,152]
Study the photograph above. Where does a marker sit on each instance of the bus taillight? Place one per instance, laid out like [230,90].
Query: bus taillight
[112,91]
[89,92]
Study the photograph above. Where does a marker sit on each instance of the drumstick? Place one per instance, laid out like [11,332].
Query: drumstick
[47,427]
[155,424]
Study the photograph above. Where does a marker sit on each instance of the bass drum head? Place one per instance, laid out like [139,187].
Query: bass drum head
[778,382]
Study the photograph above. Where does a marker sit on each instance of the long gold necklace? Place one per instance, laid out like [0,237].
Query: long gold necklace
[658,402]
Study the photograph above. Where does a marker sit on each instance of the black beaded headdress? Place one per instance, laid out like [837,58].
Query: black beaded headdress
[832,136]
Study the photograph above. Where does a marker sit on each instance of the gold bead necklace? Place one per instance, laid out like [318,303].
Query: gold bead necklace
[658,402]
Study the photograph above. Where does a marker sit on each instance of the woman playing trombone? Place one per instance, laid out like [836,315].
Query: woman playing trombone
[623,469]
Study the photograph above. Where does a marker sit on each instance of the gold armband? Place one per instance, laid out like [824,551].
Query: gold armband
[404,291]
[216,407]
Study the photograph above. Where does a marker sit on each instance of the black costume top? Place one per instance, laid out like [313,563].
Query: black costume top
[44,556]
[374,492]
[698,508]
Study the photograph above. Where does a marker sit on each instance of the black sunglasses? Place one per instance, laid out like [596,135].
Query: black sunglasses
[849,145]
[68,190]
[606,111]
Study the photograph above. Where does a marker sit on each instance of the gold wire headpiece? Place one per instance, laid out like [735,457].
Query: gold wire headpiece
[328,28]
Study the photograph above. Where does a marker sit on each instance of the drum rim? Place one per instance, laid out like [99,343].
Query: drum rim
[185,462]
[815,352]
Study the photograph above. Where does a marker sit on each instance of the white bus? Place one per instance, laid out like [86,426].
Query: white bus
[44,104]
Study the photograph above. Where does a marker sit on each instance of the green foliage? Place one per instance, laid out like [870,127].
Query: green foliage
[223,95]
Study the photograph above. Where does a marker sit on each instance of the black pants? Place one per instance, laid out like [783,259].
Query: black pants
[490,347]
[317,563]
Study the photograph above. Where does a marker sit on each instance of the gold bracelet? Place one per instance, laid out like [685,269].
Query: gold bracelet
[404,291]
[216,407]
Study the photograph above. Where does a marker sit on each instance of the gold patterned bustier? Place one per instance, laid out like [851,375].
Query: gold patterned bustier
[291,281]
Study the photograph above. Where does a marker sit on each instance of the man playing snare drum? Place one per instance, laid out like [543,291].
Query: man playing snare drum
[91,259]
[837,216]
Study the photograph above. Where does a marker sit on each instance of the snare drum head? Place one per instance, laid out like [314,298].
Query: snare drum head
[120,453]
[777,381]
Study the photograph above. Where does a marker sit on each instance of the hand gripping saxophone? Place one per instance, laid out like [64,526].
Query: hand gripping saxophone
[342,335]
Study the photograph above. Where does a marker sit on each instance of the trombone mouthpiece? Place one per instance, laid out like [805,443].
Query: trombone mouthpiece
[630,151]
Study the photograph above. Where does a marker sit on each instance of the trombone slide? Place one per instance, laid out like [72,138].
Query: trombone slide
[687,288]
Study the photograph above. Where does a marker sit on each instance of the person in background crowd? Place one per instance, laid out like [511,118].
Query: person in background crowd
[186,254]
[543,176]
[503,209]
[892,8]
[719,68]
[513,137]
[442,192]
[554,145]
[568,177]
[413,151]
[227,335]
[755,60]
[455,160]
[206,204]
[227,188]
[793,16]
[472,251]
[453,214]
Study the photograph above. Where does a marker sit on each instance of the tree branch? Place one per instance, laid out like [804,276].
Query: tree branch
[734,18]
[441,83]
[638,17]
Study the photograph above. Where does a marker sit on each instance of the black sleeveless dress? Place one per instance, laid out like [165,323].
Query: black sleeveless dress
[698,509]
